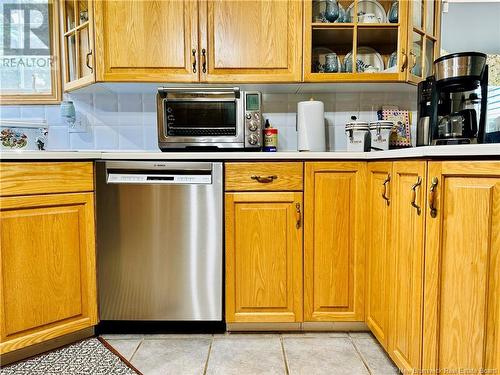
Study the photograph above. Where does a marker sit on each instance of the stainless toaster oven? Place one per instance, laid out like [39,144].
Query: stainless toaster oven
[205,118]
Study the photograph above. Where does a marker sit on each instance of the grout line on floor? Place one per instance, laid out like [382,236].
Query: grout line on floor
[287,370]
[360,355]
[136,349]
[208,355]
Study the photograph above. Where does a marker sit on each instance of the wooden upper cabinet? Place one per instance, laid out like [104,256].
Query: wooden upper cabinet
[251,41]
[407,239]
[47,268]
[462,267]
[378,252]
[334,241]
[146,40]
[405,43]
[264,257]
[77,39]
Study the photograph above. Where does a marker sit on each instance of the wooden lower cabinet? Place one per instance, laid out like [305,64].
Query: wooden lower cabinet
[462,268]
[47,267]
[407,248]
[334,243]
[378,252]
[264,257]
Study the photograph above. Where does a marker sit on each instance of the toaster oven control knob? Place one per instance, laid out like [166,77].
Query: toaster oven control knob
[252,126]
[256,115]
[248,116]
[253,139]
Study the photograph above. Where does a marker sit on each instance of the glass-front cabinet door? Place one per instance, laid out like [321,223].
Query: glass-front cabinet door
[78,43]
[424,24]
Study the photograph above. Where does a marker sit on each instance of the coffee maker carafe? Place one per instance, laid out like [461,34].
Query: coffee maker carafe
[459,99]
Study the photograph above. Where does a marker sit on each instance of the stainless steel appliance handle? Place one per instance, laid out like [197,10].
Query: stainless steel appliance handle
[162,165]
[187,99]
[201,90]
[159,173]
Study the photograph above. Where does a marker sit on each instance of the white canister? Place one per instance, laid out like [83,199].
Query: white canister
[358,136]
[380,134]
[311,131]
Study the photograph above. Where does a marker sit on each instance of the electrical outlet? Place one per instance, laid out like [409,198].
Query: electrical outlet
[80,125]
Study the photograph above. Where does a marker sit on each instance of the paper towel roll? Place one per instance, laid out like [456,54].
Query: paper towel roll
[311,126]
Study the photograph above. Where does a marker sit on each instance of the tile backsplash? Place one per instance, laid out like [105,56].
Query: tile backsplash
[127,121]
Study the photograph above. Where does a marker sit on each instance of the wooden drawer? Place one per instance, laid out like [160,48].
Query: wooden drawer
[45,178]
[264,176]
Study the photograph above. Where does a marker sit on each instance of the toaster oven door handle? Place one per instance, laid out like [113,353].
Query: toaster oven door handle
[200,99]
[264,179]
[202,91]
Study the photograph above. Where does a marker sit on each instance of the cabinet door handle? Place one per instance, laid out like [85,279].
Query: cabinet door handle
[404,61]
[432,197]
[204,60]
[414,194]
[299,215]
[87,61]
[414,59]
[264,179]
[384,192]
[193,60]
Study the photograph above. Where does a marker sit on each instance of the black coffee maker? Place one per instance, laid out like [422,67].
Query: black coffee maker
[426,89]
[459,97]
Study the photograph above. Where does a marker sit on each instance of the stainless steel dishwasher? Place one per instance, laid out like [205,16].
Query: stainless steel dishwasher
[159,240]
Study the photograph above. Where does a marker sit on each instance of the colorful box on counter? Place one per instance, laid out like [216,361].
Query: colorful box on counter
[401,136]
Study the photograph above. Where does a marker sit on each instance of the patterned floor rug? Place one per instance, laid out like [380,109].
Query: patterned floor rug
[89,357]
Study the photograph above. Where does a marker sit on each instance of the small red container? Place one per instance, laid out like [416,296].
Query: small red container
[270,139]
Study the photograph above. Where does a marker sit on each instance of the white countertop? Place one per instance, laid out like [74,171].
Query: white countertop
[467,151]
[49,155]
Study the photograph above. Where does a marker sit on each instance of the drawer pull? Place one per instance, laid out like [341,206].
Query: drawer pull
[264,179]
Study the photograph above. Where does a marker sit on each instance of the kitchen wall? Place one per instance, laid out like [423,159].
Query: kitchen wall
[127,121]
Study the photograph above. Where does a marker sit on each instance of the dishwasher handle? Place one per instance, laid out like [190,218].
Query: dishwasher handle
[159,173]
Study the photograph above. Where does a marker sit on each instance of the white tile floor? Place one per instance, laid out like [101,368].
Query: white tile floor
[334,353]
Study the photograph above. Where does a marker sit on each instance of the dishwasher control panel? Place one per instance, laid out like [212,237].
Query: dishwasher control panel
[121,178]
